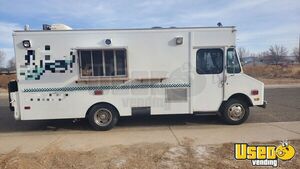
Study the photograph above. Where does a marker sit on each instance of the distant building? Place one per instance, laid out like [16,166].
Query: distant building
[6,71]
[251,60]
[288,60]
[267,60]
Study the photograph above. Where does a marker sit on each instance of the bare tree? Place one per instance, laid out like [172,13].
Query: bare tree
[277,53]
[2,58]
[11,65]
[242,52]
[296,54]
[263,56]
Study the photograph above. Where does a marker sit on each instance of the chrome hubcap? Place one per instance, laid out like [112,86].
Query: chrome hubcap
[236,112]
[103,117]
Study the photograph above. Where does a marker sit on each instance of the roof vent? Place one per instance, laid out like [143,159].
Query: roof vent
[156,27]
[26,27]
[56,27]
[46,27]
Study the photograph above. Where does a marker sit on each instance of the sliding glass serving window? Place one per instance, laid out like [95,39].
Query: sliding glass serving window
[103,63]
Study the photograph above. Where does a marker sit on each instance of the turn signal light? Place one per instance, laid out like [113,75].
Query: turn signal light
[254,92]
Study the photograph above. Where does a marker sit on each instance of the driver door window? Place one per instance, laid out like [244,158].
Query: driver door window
[209,61]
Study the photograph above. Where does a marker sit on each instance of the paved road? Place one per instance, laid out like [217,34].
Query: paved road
[283,106]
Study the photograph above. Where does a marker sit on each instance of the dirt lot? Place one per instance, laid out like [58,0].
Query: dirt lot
[4,79]
[279,81]
[272,74]
[145,156]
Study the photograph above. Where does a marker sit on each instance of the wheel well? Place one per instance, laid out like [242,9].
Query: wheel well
[240,96]
[102,104]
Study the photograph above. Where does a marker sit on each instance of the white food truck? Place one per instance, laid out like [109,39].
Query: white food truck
[102,74]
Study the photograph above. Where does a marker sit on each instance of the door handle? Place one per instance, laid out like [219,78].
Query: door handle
[224,80]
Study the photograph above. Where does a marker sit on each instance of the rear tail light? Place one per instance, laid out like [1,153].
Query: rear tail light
[254,92]
[98,92]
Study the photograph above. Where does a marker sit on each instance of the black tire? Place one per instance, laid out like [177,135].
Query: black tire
[234,112]
[103,117]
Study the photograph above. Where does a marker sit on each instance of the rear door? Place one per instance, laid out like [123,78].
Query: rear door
[207,76]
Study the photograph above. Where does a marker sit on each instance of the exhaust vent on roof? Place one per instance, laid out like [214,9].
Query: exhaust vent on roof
[56,27]
[156,27]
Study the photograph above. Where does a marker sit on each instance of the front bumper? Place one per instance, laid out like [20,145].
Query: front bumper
[264,105]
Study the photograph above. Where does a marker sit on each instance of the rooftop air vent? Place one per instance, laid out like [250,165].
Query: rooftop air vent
[220,24]
[56,27]
[156,27]
[26,27]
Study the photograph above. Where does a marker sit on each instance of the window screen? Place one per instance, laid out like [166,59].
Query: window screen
[121,62]
[209,61]
[109,62]
[97,63]
[86,63]
[103,63]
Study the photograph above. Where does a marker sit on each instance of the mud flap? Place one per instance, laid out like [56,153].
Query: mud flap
[12,87]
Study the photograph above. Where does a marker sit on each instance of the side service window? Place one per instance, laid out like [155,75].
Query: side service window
[233,65]
[209,61]
[103,63]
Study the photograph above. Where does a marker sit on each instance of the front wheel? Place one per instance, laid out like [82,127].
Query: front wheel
[103,117]
[235,112]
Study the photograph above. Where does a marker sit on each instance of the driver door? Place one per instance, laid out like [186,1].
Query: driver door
[206,79]
[233,73]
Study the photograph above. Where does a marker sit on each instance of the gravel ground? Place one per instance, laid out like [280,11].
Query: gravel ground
[147,156]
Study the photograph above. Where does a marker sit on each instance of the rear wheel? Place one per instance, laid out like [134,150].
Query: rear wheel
[103,117]
[235,112]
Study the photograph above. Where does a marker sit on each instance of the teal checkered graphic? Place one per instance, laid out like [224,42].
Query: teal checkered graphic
[107,87]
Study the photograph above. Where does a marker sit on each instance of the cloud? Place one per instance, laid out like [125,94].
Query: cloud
[221,10]
[6,40]
[260,39]
[259,22]
[281,30]
[6,30]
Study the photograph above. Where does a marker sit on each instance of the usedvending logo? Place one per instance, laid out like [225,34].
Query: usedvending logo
[264,155]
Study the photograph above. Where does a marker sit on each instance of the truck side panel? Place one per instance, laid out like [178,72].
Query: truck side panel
[55,94]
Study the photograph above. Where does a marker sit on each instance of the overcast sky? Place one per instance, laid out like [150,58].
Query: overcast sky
[260,23]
